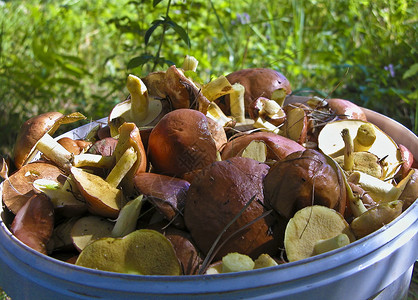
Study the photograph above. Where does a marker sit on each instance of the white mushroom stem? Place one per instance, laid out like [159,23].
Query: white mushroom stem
[122,167]
[65,159]
[336,242]
[54,151]
[139,98]
[237,102]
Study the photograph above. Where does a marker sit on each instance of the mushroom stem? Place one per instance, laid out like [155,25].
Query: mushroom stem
[265,125]
[139,98]
[336,242]
[93,160]
[65,159]
[122,167]
[190,63]
[348,150]
[365,137]
[237,102]
[54,151]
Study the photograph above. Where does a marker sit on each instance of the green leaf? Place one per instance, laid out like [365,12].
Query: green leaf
[412,71]
[149,32]
[156,2]
[139,61]
[179,30]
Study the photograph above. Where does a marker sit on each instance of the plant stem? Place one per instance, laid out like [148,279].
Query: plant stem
[157,56]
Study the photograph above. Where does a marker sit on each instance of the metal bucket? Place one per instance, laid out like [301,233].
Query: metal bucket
[378,266]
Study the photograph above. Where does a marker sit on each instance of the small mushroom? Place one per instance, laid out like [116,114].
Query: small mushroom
[74,146]
[35,134]
[140,108]
[18,187]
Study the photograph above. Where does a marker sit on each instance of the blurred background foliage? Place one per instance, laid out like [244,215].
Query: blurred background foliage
[75,55]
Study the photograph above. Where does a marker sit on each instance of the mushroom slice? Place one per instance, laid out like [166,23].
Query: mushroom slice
[128,217]
[312,225]
[34,223]
[331,143]
[88,229]
[18,188]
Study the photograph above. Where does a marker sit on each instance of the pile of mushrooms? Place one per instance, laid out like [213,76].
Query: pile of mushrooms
[205,179]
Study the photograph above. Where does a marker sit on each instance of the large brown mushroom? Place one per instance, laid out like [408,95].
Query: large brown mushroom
[217,195]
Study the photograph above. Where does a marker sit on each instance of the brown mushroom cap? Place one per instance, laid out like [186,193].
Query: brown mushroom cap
[34,223]
[278,147]
[181,142]
[18,188]
[346,109]
[74,146]
[30,132]
[217,195]
[304,179]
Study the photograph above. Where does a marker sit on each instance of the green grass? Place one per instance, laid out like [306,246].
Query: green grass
[75,56]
